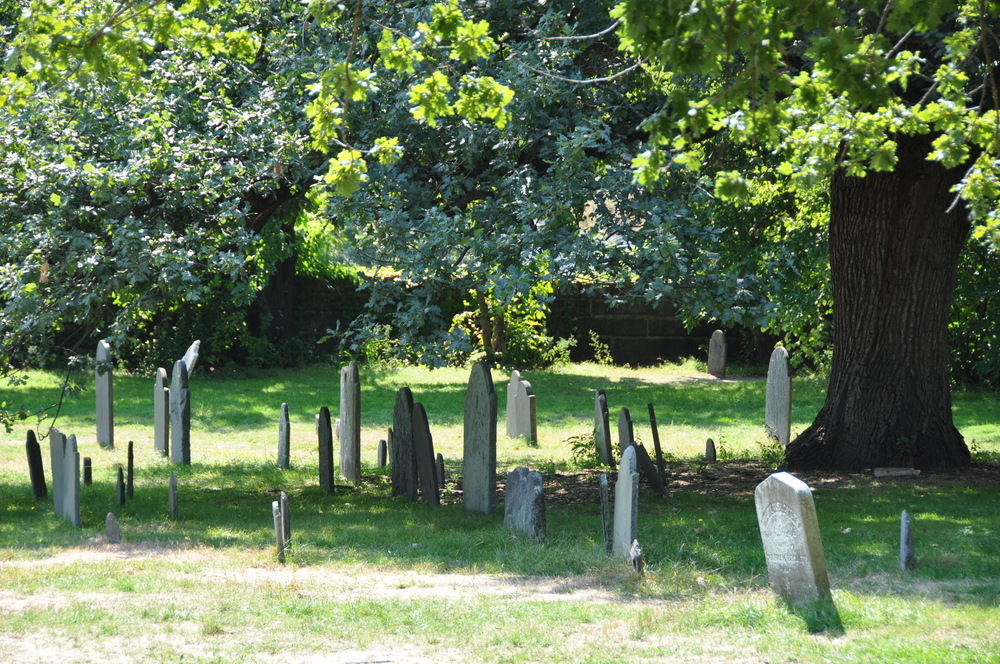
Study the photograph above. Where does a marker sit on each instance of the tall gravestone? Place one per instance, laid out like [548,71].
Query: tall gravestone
[479,455]
[626,434]
[790,533]
[524,503]
[717,354]
[284,438]
[324,432]
[402,459]
[626,521]
[105,393]
[778,398]
[180,415]
[423,449]
[606,512]
[67,504]
[602,427]
[35,469]
[57,451]
[521,416]
[130,474]
[350,422]
[161,412]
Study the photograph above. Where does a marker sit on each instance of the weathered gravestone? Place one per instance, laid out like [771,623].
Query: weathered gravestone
[286,515]
[65,476]
[793,550]
[648,470]
[120,486]
[130,472]
[710,453]
[521,416]
[161,412]
[602,427]
[660,466]
[88,472]
[423,450]
[907,557]
[402,459]
[284,438]
[439,469]
[105,394]
[717,354]
[279,530]
[350,422]
[180,415]
[112,532]
[479,454]
[383,452]
[324,432]
[626,522]
[35,469]
[602,482]
[524,503]
[173,501]
[778,398]
[626,434]
[190,358]
[57,450]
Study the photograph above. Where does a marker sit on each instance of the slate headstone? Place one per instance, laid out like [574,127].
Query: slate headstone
[284,438]
[190,358]
[660,466]
[602,482]
[778,398]
[112,531]
[648,470]
[626,522]
[402,459]
[121,486]
[439,469]
[524,503]
[161,412]
[479,458]
[602,428]
[349,430]
[907,557]
[626,434]
[324,432]
[36,471]
[710,454]
[383,453]
[105,395]
[88,471]
[57,452]
[423,449]
[717,354]
[180,415]
[130,473]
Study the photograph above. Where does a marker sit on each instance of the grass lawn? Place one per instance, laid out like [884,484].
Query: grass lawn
[372,578]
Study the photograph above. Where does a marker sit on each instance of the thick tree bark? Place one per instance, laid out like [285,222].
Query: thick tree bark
[894,250]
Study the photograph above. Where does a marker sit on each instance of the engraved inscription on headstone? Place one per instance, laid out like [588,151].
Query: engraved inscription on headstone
[606,512]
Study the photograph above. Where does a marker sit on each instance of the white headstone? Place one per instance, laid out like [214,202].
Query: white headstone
[778,399]
[105,392]
[626,521]
[190,358]
[521,418]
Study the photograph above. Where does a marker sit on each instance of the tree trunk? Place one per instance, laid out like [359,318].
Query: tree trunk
[894,250]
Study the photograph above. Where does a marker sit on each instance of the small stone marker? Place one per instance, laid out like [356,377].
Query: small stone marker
[180,415]
[349,430]
[626,523]
[130,473]
[36,471]
[423,450]
[602,482]
[190,358]
[717,354]
[402,460]
[161,412]
[778,398]
[789,530]
[626,434]
[479,458]
[524,503]
[896,472]
[279,530]
[521,414]
[121,486]
[383,453]
[88,471]
[172,497]
[284,438]
[324,432]
[602,428]
[710,455]
[112,532]
[907,557]
[105,395]
[439,469]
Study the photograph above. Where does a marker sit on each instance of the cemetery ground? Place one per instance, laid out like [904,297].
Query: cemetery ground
[372,578]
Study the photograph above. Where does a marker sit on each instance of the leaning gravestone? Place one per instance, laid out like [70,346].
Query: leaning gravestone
[479,458]
[402,460]
[349,431]
[324,432]
[602,429]
[161,412]
[717,354]
[626,522]
[284,438]
[190,358]
[521,416]
[648,470]
[35,469]
[626,434]
[778,399]
[789,530]
[104,389]
[180,415]
[524,503]
[423,450]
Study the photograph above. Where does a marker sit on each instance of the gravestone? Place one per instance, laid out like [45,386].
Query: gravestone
[383,452]
[130,474]
[479,454]
[402,459]
[88,471]
[180,415]
[524,503]
[172,497]
[602,428]
[626,435]
[121,486]
[112,532]
[324,432]
[907,557]
[279,530]
[521,416]
[710,454]
[660,466]
[67,504]
[105,395]
[284,438]
[57,451]
[635,557]
[626,522]
[36,472]
[717,354]
[439,469]
[778,398]
[602,482]
[648,470]
[190,358]
[423,450]
[161,412]
[349,431]
[286,516]
[789,530]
